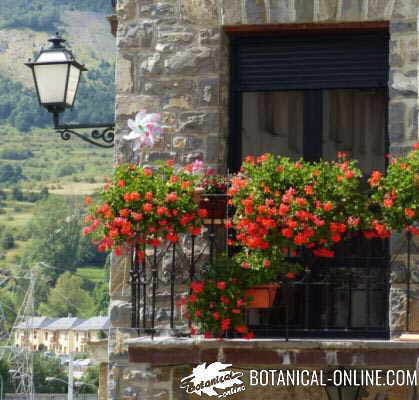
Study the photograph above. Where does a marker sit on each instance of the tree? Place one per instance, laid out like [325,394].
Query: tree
[9,306]
[90,378]
[56,232]
[10,173]
[47,366]
[88,254]
[101,298]
[44,192]
[17,194]
[4,376]
[67,297]
[7,241]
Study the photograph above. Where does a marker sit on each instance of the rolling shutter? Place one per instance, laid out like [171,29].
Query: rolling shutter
[315,61]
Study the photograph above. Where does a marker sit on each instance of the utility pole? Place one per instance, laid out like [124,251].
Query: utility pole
[70,377]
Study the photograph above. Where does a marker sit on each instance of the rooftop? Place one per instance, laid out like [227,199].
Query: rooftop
[68,323]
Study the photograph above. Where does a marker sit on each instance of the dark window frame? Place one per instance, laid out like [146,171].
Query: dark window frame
[311,148]
[269,32]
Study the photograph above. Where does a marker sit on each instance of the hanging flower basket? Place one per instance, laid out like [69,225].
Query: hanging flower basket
[262,296]
[215,204]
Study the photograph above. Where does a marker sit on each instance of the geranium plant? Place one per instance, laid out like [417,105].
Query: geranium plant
[397,192]
[213,184]
[284,205]
[142,207]
[208,182]
[218,300]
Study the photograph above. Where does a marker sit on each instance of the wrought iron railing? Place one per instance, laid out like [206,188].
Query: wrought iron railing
[334,298]
[160,280]
[347,296]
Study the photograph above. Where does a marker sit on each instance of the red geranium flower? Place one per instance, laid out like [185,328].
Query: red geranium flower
[225,324]
[241,328]
[192,298]
[249,335]
[409,212]
[197,286]
[323,253]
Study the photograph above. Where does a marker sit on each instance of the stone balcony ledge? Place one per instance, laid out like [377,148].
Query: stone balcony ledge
[308,353]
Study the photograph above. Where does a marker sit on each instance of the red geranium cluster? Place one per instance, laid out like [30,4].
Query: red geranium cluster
[216,304]
[397,193]
[144,207]
[282,204]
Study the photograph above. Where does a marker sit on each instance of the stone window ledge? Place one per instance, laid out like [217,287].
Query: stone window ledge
[180,351]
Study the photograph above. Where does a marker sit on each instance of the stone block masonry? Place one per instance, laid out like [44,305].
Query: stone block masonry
[170,61]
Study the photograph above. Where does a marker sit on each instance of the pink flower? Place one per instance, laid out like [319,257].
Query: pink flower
[197,166]
[145,129]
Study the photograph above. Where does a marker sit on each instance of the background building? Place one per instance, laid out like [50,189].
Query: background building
[60,335]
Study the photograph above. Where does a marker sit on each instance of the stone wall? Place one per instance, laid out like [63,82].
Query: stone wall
[173,58]
[169,61]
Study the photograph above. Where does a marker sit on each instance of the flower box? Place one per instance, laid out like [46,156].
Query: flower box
[263,296]
[215,204]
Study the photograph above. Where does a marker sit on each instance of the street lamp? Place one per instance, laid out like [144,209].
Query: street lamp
[56,75]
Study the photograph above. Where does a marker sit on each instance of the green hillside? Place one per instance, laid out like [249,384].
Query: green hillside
[39,14]
[43,179]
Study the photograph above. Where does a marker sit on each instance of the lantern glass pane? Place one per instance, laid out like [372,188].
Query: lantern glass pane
[52,56]
[73,82]
[51,81]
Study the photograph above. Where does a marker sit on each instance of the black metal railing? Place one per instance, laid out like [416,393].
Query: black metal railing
[334,298]
[163,276]
[343,297]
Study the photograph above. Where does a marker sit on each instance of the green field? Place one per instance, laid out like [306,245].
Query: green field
[65,168]
[56,163]
[95,275]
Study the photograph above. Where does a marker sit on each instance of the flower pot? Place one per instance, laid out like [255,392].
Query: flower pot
[263,296]
[215,204]
[197,194]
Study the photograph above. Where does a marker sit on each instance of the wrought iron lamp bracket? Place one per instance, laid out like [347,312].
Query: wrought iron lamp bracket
[100,132]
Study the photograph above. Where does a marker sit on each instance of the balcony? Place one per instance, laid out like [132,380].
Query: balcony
[346,297]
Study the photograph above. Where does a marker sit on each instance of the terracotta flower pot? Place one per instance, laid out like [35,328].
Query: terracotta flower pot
[263,296]
[197,194]
[215,204]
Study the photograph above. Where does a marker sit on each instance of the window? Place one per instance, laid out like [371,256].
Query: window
[310,96]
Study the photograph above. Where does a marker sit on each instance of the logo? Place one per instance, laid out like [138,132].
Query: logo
[205,379]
